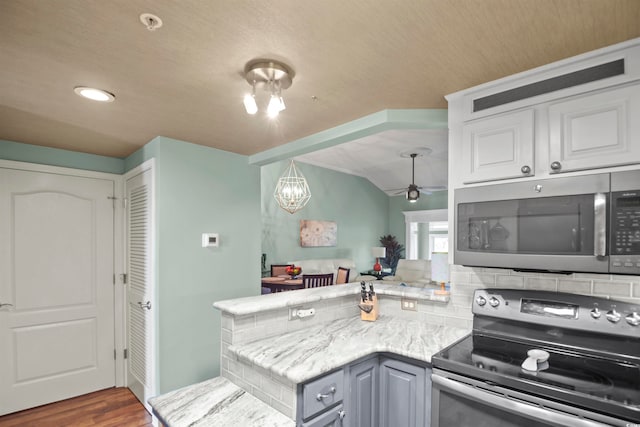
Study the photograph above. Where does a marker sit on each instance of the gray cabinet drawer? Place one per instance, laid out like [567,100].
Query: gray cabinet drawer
[322,393]
[332,418]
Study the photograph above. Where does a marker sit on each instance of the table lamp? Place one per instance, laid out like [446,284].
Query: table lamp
[378,252]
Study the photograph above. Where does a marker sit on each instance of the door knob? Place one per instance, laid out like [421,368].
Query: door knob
[146,305]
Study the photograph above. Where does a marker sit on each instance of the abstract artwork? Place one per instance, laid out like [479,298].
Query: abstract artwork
[318,233]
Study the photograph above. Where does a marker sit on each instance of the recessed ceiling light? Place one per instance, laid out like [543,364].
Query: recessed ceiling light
[94,94]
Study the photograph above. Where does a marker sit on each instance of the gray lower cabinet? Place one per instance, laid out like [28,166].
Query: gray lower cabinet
[362,399]
[402,394]
[376,392]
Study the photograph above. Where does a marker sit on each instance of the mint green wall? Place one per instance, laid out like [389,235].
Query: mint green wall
[199,190]
[56,157]
[359,208]
[399,204]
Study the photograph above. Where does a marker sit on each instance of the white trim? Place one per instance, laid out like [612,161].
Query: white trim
[118,242]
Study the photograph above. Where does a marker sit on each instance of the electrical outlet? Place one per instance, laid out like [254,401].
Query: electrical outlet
[409,304]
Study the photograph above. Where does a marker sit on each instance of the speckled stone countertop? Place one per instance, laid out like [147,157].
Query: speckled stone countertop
[216,402]
[250,305]
[301,355]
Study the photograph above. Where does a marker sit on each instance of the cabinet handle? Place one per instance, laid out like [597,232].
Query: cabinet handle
[556,166]
[525,169]
[321,396]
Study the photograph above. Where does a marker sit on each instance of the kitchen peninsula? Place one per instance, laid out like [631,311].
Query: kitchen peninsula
[274,346]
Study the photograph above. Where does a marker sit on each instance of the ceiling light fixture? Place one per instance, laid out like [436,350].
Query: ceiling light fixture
[273,76]
[292,191]
[94,94]
[413,194]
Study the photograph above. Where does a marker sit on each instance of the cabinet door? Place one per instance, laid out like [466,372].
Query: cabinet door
[595,131]
[332,418]
[402,394]
[362,400]
[498,147]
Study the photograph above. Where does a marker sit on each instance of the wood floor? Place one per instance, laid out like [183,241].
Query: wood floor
[109,408]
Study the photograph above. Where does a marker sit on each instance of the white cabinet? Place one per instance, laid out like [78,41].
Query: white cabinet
[498,147]
[589,131]
[595,131]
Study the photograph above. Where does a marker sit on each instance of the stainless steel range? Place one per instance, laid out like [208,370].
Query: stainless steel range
[539,358]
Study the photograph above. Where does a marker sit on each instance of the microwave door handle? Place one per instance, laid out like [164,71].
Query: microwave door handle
[600,224]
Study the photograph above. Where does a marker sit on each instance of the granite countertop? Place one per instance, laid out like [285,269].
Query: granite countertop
[215,402]
[250,305]
[302,355]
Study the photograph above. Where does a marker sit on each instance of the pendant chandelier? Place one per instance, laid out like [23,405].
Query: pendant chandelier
[292,191]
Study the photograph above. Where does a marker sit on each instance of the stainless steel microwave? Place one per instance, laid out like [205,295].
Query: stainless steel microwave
[588,223]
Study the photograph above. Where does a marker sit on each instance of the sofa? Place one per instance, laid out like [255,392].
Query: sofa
[330,265]
[412,272]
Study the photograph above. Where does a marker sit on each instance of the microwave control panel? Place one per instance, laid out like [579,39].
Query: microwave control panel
[625,232]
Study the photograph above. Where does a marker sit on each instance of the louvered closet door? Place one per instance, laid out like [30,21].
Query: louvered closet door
[140,301]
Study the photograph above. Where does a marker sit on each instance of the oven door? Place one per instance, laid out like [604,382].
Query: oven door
[555,224]
[461,401]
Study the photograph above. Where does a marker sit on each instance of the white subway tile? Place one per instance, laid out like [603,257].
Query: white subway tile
[243,322]
[505,281]
[612,288]
[582,287]
[541,284]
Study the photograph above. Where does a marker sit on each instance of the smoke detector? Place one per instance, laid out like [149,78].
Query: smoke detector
[151,21]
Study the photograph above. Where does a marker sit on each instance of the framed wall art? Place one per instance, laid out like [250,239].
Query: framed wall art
[318,233]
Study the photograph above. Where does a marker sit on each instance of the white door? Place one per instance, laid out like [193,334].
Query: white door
[56,277]
[140,301]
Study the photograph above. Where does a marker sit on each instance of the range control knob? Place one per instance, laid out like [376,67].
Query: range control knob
[494,302]
[481,301]
[613,316]
[595,313]
[633,319]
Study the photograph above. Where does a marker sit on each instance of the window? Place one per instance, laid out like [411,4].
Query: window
[427,232]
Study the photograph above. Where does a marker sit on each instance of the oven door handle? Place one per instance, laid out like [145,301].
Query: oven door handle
[514,406]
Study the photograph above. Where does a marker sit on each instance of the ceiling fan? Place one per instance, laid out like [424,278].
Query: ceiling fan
[412,193]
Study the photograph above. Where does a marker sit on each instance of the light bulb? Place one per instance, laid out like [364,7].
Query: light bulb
[273,109]
[94,94]
[250,104]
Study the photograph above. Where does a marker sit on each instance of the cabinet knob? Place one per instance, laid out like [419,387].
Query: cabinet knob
[525,169]
[341,414]
[556,166]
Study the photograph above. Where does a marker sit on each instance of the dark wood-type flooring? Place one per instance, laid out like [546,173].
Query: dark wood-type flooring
[113,407]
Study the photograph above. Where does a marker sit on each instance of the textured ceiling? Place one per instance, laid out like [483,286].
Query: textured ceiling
[185,80]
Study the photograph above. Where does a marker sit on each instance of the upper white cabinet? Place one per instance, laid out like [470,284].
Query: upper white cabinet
[595,131]
[578,114]
[498,147]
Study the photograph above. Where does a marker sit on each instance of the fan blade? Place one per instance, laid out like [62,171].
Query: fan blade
[432,188]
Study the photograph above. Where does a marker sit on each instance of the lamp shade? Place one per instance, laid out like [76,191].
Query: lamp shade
[379,251]
[440,267]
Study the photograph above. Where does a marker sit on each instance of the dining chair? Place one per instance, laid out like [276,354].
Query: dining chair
[342,276]
[317,280]
[279,269]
